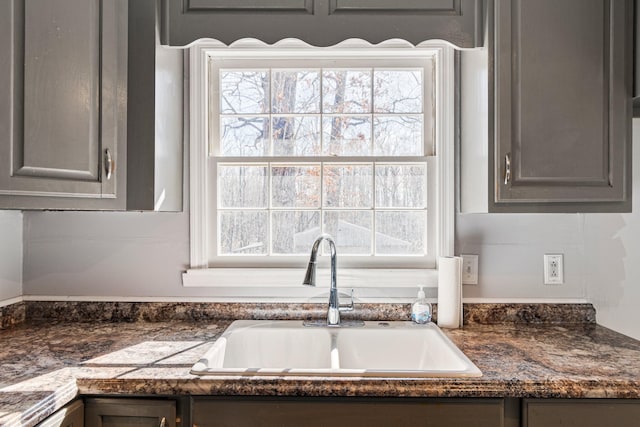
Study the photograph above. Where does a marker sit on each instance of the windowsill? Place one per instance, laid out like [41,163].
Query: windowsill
[285,284]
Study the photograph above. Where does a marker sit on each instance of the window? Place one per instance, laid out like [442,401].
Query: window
[288,143]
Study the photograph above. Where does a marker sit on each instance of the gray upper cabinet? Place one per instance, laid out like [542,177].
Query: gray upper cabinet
[63,103]
[561,119]
[323,22]
[91,107]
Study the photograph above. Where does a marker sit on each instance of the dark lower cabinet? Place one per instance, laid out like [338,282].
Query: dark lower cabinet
[71,415]
[581,413]
[239,411]
[349,412]
[125,412]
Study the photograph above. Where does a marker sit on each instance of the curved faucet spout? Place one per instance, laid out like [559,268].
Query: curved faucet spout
[310,276]
[333,312]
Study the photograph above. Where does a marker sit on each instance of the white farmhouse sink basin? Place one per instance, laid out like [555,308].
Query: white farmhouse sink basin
[378,349]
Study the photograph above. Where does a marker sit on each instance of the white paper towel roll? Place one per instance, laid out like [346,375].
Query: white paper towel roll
[450,292]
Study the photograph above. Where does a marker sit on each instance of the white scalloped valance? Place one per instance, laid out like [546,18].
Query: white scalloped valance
[293,44]
[322,23]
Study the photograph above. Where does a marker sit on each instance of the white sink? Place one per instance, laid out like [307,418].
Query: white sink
[379,349]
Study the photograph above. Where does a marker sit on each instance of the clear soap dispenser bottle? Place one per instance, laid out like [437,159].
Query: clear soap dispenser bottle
[421,309]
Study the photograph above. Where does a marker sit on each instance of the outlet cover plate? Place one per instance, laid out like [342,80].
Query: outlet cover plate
[553,269]
[469,269]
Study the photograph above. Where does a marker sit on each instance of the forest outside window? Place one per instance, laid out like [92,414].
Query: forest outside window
[330,143]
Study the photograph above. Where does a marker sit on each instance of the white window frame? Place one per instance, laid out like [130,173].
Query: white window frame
[246,283]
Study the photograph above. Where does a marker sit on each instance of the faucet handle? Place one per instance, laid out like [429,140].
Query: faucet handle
[348,307]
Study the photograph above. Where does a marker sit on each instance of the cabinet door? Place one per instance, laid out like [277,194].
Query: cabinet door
[562,86]
[71,415]
[130,412]
[238,412]
[581,413]
[323,22]
[62,103]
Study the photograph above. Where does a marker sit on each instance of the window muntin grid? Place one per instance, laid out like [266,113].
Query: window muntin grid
[308,133]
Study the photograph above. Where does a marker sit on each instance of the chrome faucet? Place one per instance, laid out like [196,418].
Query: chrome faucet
[333,312]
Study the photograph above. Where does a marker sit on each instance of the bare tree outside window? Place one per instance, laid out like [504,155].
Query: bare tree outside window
[330,125]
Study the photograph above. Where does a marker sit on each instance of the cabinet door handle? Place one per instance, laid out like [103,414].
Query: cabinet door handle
[109,164]
[163,422]
[507,168]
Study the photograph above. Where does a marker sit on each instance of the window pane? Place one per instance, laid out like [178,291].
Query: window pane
[300,149]
[243,232]
[346,91]
[398,135]
[296,92]
[295,186]
[346,135]
[397,91]
[294,231]
[400,233]
[348,186]
[351,230]
[242,186]
[401,186]
[296,136]
[244,136]
[244,92]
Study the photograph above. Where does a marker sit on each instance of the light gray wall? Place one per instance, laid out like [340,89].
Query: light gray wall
[612,259]
[511,249]
[10,254]
[143,254]
[106,253]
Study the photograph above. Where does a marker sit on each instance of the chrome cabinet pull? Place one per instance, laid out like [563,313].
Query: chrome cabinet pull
[163,422]
[109,164]
[507,168]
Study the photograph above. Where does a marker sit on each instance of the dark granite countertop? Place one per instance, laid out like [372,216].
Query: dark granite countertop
[45,364]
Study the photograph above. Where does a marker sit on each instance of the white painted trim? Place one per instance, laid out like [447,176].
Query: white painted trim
[11,301]
[144,299]
[292,278]
[293,43]
[445,142]
[198,159]
[230,295]
[525,301]
[102,298]
[49,194]
[285,284]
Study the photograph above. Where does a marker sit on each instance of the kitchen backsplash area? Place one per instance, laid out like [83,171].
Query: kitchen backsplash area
[133,254]
[38,312]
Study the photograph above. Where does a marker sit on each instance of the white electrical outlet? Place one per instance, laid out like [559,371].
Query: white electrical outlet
[553,269]
[469,269]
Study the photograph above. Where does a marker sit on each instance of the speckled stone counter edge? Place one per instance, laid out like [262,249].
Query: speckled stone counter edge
[12,315]
[482,313]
